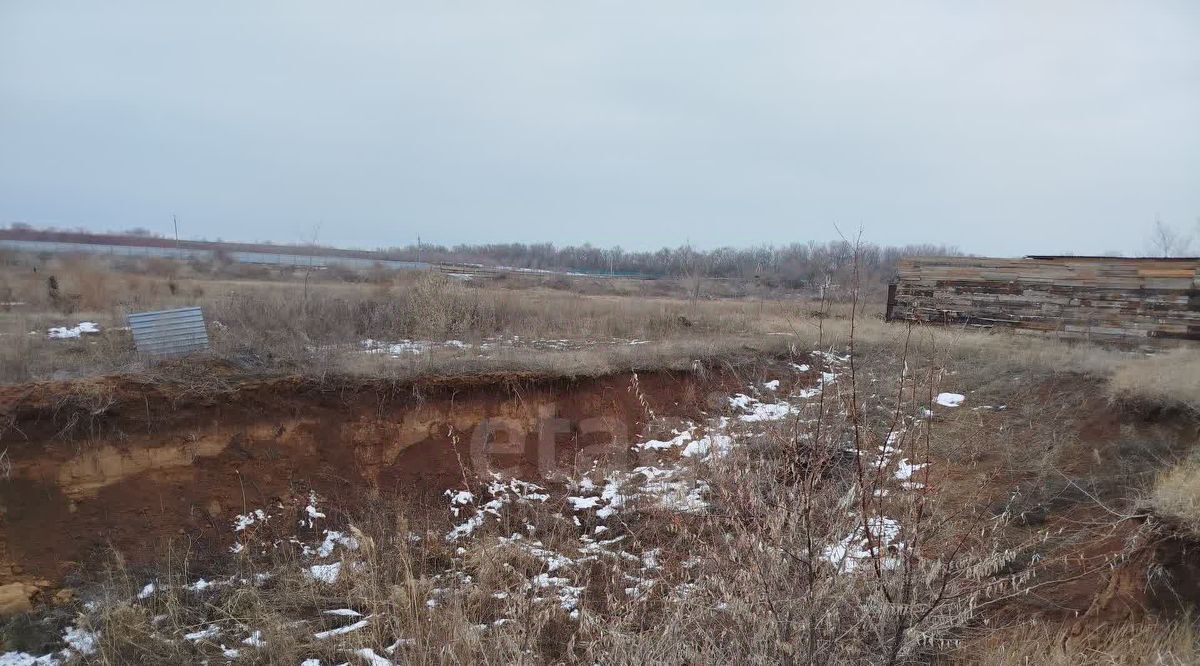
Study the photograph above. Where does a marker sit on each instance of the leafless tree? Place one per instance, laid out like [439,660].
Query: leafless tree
[1166,241]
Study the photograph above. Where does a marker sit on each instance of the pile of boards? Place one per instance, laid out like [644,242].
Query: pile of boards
[1086,297]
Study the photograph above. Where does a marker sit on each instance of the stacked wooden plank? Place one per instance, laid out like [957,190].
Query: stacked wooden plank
[1089,297]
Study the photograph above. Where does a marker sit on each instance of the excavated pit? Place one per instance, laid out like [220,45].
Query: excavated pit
[141,466]
[122,463]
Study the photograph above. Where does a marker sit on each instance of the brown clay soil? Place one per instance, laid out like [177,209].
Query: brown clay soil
[1068,463]
[129,463]
[137,464]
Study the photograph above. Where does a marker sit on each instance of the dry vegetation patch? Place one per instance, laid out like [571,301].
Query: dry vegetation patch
[1176,495]
[843,515]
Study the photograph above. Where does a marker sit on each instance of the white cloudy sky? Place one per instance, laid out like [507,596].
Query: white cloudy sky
[1001,127]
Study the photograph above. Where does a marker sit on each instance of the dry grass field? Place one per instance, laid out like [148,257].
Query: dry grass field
[290,320]
[796,481]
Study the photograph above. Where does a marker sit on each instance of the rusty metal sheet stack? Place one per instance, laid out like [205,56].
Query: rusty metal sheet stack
[1081,297]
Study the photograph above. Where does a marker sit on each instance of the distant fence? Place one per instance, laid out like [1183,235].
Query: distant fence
[1083,297]
[169,332]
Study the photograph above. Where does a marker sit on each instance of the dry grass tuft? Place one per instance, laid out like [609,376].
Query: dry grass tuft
[1170,379]
[1149,642]
[1176,494]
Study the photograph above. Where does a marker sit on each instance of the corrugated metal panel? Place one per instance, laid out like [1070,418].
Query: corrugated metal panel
[169,332]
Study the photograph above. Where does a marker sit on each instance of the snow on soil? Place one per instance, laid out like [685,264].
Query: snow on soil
[950,399]
[242,521]
[322,635]
[25,659]
[80,640]
[847,554]
[201,585]
[326,573]
[904,470]
[714,444]
[673,483]
[409,348]
[580,503]
[878,537]
[255,639]
[67,333]
[655,444]
[671,479]
[503,493]
[373,659]
[333,538]
[311,510]
[211,631]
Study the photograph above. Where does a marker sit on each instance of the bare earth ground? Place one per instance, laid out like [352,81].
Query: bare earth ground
[422,470]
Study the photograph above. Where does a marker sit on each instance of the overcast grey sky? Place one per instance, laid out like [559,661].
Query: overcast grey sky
[1001,127]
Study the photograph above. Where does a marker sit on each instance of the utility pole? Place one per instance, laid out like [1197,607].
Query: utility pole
[178,251]
[761,292]
[418,248]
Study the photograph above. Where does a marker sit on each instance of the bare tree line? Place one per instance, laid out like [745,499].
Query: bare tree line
[795,265]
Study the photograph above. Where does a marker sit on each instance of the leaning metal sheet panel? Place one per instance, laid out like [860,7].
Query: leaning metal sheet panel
[169,332]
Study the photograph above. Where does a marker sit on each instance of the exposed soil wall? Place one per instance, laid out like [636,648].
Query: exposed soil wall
[119,462]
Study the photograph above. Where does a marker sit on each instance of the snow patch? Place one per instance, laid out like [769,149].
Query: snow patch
[326,573]
[709,445]
[580,503]
[25,659]
[904,470]
[373,659]
[950,399]
[67,333]
[333,538]
[849,554]
[80,640]
[210,631]
[255,639]
[242,521]
[322,635]
[655,444]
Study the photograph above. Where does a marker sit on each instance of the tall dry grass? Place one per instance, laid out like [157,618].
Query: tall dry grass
[810,549]
[1176,494]
[751,579]
[1170,378]
[1150,642]
[293,321]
